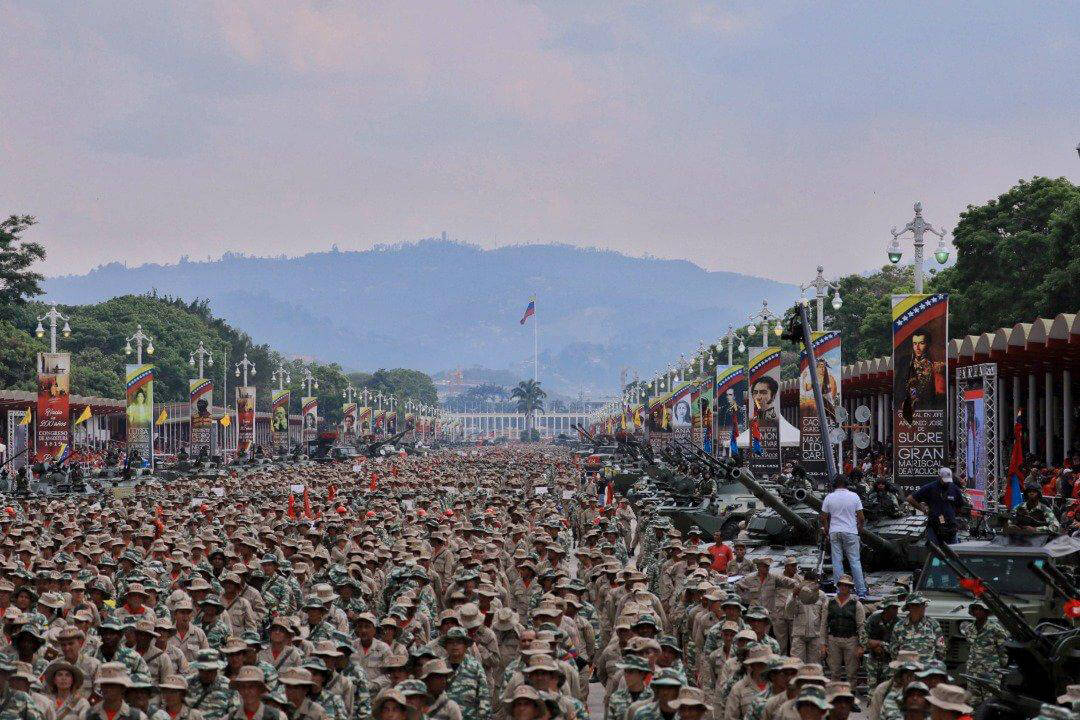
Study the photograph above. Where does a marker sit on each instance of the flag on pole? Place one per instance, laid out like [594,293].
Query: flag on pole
[292,506]
[162,417]
[530,310]
[733,444]
[83,416]
[755,436]
[225,421]
[1013,492]
[307,504]
[26,418]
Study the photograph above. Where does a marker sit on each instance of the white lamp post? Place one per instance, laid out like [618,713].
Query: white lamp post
[52,316]
[918,227]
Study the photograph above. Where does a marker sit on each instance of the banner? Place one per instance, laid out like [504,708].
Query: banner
[920,330]
[18,440]
[139,391]
[827,354]
[279,420]
[348,422]
[410,421]
[245,419]
[309,408]
[365,423]
[976,434]
[763,457]
[705,410]
[53,410]
[730,405]
[391,422]
[200,397]
[682,420]
[380,422]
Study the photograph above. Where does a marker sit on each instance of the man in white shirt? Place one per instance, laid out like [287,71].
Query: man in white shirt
[842,521]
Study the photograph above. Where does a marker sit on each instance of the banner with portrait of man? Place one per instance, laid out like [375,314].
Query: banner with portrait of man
[279,420]
[763,456]
[139,391]
[379,422]
[730,406]
[365,420]
[245,419]
[200,397]
[827,356]
[309,409]
[349,422]
[920,331]
[53,405]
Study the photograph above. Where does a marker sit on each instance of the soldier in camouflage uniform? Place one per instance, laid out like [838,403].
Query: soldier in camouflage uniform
[874,637]
[666,685]
[333,705]
[276,590]
[634,671]
[111,649]
[209,691]
[468,686]
[987,657]
[917,632]
[1032,517]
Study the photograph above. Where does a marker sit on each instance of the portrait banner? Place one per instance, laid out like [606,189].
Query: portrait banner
[18,439]
[200,398]
[976,434]
[682,421]
[279,420]
[730,406]
[763,457]
[391,422]
[703,415]
[53,406]
[245,419]
[139,392]
[827,355]
[380,421]
[365,420]
[410,421]
[349,413]
[309,408]
[920,331]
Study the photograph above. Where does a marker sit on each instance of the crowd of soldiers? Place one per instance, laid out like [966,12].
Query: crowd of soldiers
[492,584]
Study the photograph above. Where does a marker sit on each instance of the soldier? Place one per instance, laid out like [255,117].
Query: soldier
[370,652]
[634,670]
[276,592]
[811,703]
[189,638]
[250,685]
[468,686]
[903,668]
[874,640]
[281,653]
[333,705]
[917,632]
[157,661]
[691,705]
[807,608]
[987,656]
[740,564]
[209,692]
[436,675]
[948,702]
[1031,517]
[111,650]
[750,685]
[112,681]
[778,612]
[298,686]
[666,686]
[844,618]
[762,586]
[778,674]
[172,690]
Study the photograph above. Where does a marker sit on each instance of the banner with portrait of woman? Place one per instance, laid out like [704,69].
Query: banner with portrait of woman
[827,358]
[139,391]
[682,412]
[763,457]
[279,419]
[920,331]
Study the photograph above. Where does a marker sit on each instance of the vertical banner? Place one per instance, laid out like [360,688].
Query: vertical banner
[379,422]
[705,405]
[827,354]
[349,423]
[279,420]
[139,391]
[53,410]
[682,421]
[920,329]
[763,457]
[366,423]
[200,397]
[391,422]
[309,407]
[410,421]
[245,419]
[730,405]
[976,434]
[18,439]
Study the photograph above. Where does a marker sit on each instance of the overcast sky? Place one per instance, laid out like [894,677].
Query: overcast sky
[757,137]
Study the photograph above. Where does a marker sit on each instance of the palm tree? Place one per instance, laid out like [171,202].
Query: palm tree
[530,398]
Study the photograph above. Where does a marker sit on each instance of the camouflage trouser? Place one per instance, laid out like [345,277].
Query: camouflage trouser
[877,668]
[977,693]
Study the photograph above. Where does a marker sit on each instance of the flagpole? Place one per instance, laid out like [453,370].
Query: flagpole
[536,362]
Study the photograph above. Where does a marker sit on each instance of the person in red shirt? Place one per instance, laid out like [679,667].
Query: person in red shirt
[720,552]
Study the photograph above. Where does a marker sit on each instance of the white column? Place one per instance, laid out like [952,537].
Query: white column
[1066,413]
[1016,398]
[1049,410]
[1032,421]
[873,417]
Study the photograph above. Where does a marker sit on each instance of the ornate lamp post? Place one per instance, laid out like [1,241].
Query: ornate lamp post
[309,381]
[762,317]
[247,367]
[139,337]
[202,353]
[52,316]
[918,227]
[282,376]
[821,287]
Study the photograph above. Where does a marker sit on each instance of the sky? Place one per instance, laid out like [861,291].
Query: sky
[763,138]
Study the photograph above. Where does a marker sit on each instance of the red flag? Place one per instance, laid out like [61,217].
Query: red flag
[374,483]
[307,504]
[1013,491]
[976,586]
[159,521]
[1072,609]
[609,494]
[331,493]
[292,506]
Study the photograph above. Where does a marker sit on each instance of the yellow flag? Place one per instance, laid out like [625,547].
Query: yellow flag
[84,416]
[26,419]
[162,417]
[225,420]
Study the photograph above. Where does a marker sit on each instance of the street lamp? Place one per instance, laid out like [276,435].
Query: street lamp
[821,287]
[139,337]
[201,352]
[762,317]
[247,366]
[918,227]
[309,381]
[730,339]
[52,316]
[349,393]
[282,376]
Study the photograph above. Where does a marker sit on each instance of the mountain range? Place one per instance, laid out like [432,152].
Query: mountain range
[438,304]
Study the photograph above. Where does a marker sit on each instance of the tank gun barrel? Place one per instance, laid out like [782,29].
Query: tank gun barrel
[1051,581]
[1067,587]
[770,499]
[1013,621]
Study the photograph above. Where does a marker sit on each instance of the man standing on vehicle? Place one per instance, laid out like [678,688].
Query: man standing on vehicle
[841,522]
[941,500]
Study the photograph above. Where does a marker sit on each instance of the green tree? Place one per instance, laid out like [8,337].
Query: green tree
[17,281]
[1018,258]
[529,397]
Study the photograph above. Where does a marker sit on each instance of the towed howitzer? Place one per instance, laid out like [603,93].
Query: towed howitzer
[374,447]
[1046,661]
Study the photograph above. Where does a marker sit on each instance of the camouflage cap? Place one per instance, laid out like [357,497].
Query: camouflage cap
[634,663]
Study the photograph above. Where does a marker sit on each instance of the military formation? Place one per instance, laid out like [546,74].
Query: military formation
[490,584]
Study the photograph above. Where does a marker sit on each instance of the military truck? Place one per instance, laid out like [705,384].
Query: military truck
[1012,570]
